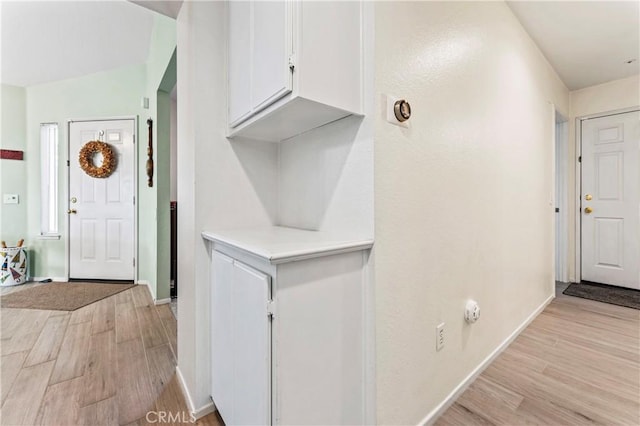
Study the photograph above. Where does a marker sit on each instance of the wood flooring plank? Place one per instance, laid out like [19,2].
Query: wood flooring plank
[104,316]
[10,366]
[48,344]
[124,297]
[153,333]
[73,354]
[101,369]
[534,412]
[606,383]
[127,326]
[60,404]
[141,296]
[102,413]
[170,327]
[84,314]
[162,367]
[536,386]
[459,415]
[171,401]
[135,397]
[26,331]
[212,419]
[10,320]
[22,403]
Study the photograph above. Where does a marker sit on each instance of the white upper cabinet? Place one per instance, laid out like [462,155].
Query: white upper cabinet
[293,66]
[240,106]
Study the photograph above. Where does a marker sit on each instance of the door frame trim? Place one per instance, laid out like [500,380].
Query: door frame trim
[67,234]
[578,181]
[561,198]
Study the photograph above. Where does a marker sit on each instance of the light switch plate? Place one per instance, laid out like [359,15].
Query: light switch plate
[10,199]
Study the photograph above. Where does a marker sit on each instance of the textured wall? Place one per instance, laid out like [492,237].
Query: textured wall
[463,196]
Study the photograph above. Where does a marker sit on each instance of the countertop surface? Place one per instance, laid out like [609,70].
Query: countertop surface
[278,244]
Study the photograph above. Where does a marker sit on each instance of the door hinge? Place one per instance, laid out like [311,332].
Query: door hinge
[134,262]
[68,163]
[271,309]
[292,62]
[134,138]
[580,159]
[134,200]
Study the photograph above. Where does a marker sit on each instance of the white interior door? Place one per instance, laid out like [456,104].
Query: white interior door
[610,200]
[102,210]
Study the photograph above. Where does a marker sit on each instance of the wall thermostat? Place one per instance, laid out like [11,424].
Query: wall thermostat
[402,110]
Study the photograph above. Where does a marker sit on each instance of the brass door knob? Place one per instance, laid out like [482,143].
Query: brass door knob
[72,211]
[588,197]
[588,210]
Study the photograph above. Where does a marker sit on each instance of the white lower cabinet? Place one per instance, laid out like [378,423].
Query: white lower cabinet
[242,342]
[288,327]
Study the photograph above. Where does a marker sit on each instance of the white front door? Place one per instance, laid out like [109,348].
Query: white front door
[101,210]
[611,200]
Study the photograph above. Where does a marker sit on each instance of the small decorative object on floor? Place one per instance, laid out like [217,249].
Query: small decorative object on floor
[14,264]
[605,293]
[87,153]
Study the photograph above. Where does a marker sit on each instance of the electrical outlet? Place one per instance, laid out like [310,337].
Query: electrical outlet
[439,336]
[10,199]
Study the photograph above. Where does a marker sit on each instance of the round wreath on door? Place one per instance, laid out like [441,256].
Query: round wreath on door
[87,154]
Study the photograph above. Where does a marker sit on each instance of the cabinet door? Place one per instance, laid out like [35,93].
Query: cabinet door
[239,61]
[240,342]
[251,347]
[222,334]
[272,45]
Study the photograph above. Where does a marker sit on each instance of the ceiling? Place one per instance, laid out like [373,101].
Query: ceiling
[169,8]
[43,41]
[586,42]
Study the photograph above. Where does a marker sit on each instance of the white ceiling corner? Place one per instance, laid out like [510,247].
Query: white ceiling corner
[44,41]
[169,8]
[586,42]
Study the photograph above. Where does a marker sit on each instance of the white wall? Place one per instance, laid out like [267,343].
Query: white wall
[602,98]
[325,177]
[463,196]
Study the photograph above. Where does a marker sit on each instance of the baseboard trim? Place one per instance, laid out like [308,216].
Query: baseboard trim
[150,289]
[197,413]
[163,301]
[56,279]
[204,410]
[185,391]
[451,398]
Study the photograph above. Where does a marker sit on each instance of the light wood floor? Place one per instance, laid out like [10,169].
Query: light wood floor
[107,363]
[578,363]
[112,362]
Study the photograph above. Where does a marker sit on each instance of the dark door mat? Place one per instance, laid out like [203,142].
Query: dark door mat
[61,296]
[605,293]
